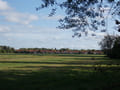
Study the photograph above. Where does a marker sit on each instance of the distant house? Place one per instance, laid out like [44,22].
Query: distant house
[84,52]
[98,52]
[53,51]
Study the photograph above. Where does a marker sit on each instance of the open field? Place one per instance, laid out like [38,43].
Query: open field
[59,72]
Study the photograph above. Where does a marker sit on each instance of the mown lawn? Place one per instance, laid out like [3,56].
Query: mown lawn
[59,72]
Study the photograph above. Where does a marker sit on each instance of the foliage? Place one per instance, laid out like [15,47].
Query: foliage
[111,46]
[6,49]
[84,15]
[116,48]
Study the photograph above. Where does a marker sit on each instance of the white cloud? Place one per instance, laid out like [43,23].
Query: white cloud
[56,17]
[20,18]
[96,33]
[13,16]
[53,39]
[4,28]
[4,5]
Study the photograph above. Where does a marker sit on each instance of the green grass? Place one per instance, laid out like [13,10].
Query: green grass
[59,72]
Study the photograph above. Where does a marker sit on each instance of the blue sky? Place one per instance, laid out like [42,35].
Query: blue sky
[21,26]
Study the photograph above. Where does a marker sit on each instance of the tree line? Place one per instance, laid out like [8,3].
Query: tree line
[57,51]
[7,49]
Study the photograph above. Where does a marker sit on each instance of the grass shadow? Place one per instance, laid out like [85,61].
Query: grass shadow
[62,78]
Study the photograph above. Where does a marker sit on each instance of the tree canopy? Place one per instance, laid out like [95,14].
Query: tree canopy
[84,15]
[110,44]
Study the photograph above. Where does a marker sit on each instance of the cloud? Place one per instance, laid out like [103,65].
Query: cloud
[53,39]
[4,28]
[16,17]
[20,18]
[4,5]
[96,33]
[56,17]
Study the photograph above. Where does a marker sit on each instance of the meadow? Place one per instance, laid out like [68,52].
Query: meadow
[59,72]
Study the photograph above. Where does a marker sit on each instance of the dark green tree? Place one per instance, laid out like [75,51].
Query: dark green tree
[116,48]
[110,44]
[107,44]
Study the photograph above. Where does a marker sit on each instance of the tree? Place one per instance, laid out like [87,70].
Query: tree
[84,15]
[116,48]
[111,46]
[6,49]
[107,44]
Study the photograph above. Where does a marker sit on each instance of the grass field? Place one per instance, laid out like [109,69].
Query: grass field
[59,72]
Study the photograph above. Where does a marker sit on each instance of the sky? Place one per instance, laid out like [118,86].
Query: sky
[21,26]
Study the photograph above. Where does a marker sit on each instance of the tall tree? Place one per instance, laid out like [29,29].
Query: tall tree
[111,46]
[84,15]
[107,43]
